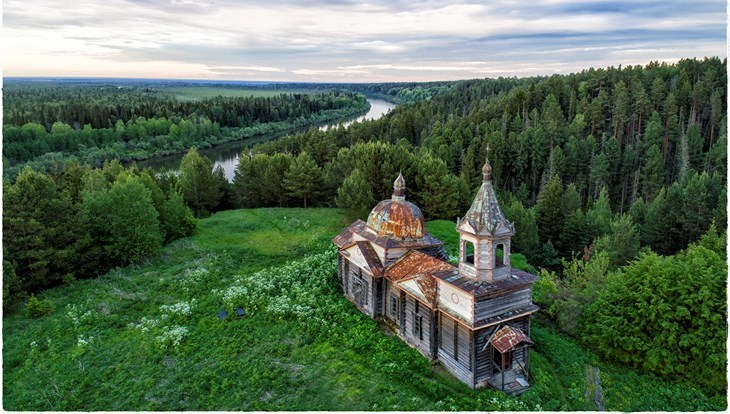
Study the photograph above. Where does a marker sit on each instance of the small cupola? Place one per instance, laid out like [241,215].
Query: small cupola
[485,235]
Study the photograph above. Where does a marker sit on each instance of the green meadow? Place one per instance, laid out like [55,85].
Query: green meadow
[148,337]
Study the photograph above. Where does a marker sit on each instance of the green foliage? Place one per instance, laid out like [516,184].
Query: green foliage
[176,219]
[39,229]
[198,184]
[123,220]
[525,239]
[140,120]
[545,292]
[599,216]
[666,315]
[621,244]
[35,308]
[303,179]
[354,194]
[549,214]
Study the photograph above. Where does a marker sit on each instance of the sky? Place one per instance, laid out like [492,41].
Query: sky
[351,41]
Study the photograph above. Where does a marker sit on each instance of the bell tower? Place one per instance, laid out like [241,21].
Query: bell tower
[485,235]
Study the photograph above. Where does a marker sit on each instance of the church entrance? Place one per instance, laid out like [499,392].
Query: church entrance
[502,362]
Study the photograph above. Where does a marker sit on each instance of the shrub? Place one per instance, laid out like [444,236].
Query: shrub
[35,308]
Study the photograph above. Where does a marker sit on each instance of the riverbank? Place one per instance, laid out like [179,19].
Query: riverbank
[226,154]
[150,147]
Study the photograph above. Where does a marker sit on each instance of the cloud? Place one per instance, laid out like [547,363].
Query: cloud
[333,39]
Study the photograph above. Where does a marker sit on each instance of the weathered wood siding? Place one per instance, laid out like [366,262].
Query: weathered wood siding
[377,297]
[422,342]
[493,306]
[484,364]
[484,357]
[457,363]
[392,292]
[358,280]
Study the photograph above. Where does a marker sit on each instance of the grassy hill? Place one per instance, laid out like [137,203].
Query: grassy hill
[148,337]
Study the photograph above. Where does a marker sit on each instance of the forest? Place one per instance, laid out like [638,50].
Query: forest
[91,123]
[615,179]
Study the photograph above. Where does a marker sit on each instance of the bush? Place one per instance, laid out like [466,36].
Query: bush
[35,308]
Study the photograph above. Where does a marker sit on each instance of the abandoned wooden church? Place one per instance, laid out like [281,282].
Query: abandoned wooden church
[475,317]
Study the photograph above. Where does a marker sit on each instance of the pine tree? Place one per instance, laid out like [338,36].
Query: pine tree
[303,179]
[652,172]
[39,229]
[354,193]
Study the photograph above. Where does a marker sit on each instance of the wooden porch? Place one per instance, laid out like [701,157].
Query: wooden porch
[511,381]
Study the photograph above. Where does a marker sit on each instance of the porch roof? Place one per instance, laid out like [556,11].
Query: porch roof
[508,337]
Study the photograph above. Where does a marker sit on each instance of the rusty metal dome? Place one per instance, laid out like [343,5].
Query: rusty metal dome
[397,217]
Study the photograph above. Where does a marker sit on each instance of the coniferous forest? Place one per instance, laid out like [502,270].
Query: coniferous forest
[615,179]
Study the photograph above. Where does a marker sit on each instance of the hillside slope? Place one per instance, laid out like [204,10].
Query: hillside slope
[148,337]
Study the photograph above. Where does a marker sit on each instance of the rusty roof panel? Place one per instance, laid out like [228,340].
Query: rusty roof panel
[508,337]
[397,219]
[376,267]
[479,288]
[345,238]
[415,263]
[429,287]
[359,228]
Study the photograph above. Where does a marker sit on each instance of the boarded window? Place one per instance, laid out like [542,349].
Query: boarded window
[394,307]
[418,326]
[360,290]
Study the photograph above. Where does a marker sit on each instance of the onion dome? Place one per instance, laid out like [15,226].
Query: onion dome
[397,217]
[485,213]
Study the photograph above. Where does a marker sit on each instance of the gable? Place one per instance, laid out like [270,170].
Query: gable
[362,254]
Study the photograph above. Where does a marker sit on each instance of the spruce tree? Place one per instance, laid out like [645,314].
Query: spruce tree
[549,214]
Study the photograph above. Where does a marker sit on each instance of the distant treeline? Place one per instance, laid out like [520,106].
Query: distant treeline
[44,125]
[395,92]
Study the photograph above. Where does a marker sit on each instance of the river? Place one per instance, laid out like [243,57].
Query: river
[226,155]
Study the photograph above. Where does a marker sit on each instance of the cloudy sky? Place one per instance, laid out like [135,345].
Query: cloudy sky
[343,40]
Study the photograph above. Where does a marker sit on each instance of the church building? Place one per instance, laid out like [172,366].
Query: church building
[473,318]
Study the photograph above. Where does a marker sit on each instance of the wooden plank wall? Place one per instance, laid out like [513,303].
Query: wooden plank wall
[391,292]
[460,369]
[493,306]
[423,345]
[484,358]
[357,273]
